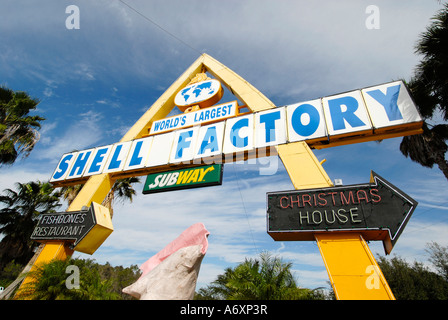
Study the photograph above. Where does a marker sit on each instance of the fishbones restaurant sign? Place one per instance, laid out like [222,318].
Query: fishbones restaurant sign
[219,131]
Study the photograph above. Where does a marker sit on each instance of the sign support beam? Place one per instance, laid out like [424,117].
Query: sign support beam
[51,251]
[304,169]
[97,187]
[352,269]
[95,190]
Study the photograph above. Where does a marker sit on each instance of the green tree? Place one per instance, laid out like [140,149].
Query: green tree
[69,193]
[429,89]
[267,278]
[18,130]
[51,281]
[439,258]
[56,280]
[19,216]
[413,282]
[121,277]
[122,190]
[9,273]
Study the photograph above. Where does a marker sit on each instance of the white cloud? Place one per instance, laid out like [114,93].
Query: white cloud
[79,135]
[312,279]
[48,92]
[84,71]
[11,175]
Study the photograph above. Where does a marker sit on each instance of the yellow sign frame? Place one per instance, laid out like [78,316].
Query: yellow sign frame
[301,164]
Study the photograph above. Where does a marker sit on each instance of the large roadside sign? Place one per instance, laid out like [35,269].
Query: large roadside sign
[378,210]
[219,132]
[206,133]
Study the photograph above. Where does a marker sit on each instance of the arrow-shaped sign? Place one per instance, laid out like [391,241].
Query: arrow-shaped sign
[378,210]
[87,229]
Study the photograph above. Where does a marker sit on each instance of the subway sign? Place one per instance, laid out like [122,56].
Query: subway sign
[184,179]
[217,134]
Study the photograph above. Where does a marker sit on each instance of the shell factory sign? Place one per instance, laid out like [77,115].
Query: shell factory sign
[206,131]
[187,150]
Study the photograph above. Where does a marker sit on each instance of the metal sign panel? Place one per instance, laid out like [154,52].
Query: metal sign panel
[378,210]
[74,225]
[346,113]
[203,116]
[184,179]
[356,116]
[306,121]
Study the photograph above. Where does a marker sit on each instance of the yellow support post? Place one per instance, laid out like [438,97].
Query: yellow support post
[303,168]
[51,251]
[95,190]
[353,271]
[97,187]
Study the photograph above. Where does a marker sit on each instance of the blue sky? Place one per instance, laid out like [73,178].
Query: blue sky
[95,82]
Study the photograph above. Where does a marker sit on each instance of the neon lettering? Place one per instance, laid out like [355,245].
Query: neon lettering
[308,200]
[344,200]
[362,195]
[297,201]
[374,193]
[281,202]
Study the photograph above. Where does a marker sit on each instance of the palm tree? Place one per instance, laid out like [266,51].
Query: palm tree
[69,193]
[122,190]
[267,278]
[429,88]
[18,130]
[19,216]
[428,148]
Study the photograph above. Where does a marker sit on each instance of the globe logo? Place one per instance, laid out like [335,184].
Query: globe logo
[198,92]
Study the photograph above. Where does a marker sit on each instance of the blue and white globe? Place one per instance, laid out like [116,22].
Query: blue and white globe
[197,92]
